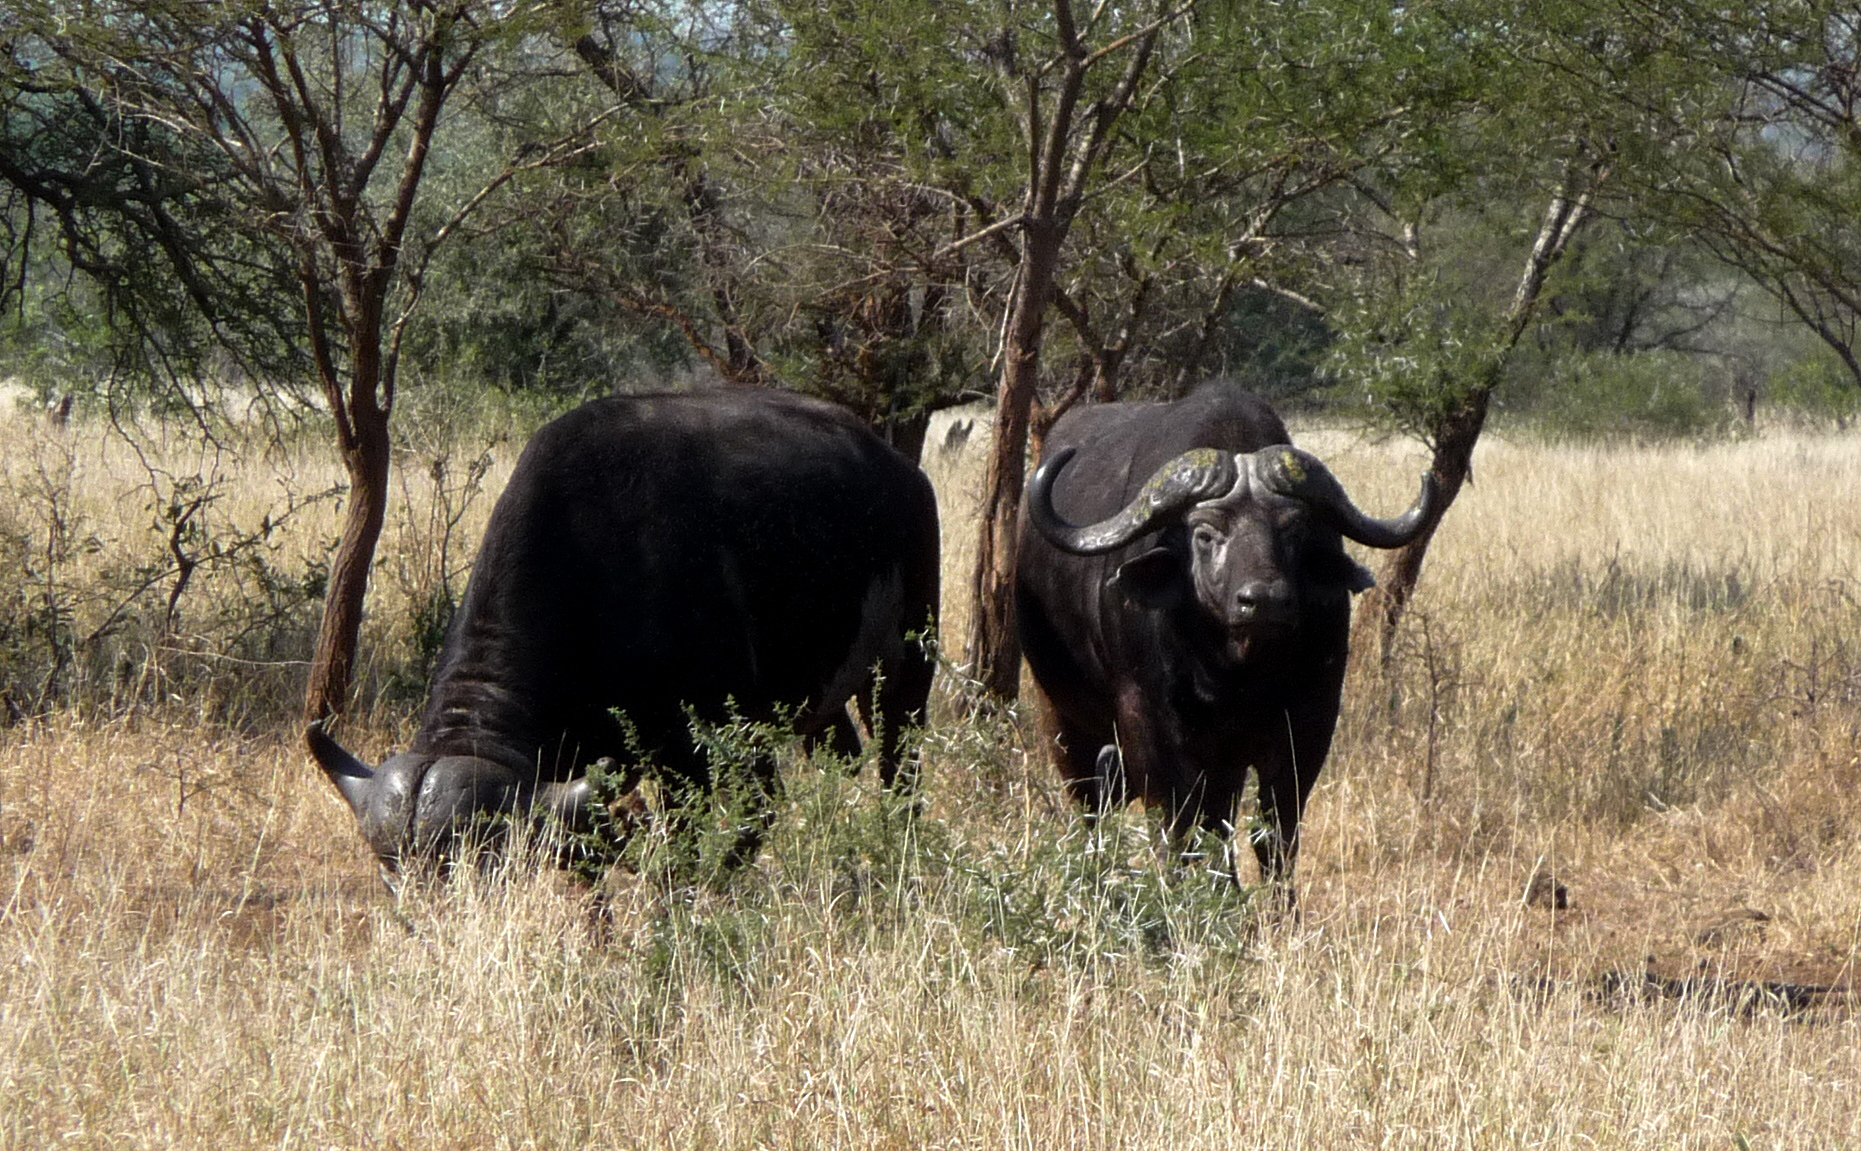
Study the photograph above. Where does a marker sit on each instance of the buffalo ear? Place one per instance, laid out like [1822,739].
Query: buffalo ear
[1360,579]
[1152,580]
[1335,569]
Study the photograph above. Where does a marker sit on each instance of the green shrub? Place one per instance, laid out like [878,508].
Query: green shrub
[839,852]
[1648,396]
[1816,388]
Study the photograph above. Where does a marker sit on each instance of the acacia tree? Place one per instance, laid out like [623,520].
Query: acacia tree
[1437,366]
[1543,140]
[316,169]
[1734,127]
[1007,116]
[1114,178]
[1065,135]
[1763,100]
[318,119]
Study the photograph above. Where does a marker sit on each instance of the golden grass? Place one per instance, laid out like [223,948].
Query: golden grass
[194,951]
[94,527]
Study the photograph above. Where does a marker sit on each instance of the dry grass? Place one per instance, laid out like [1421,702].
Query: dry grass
[1638,667]
[162,565]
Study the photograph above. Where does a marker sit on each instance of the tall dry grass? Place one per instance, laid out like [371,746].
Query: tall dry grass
[154,563]
[1634,666]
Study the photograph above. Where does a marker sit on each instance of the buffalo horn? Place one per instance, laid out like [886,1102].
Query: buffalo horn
[1194,476]
[567,801]
[1290,472]
[351,776]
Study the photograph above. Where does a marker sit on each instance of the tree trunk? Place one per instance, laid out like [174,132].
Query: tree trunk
[994,649]
[1456,434]
[332,664]
[1059,165]
[1381,609]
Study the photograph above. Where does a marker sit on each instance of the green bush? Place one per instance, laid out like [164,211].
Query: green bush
[1647,396]
[835,846]
[1816,388]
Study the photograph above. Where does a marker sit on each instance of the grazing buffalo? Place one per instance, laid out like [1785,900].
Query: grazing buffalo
[717,553]
[1198,625]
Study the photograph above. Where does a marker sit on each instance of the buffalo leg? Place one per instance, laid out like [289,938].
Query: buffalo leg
[1287,769]
[1152,752]
[1156,759]
[903,705]
[1276,840]
[840,735]
[1077,751]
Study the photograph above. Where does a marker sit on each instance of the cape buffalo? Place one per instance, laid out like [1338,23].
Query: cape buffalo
[716,553]
[1198,626]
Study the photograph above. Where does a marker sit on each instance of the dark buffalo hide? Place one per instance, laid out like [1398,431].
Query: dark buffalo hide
[1196,626]
[716,553]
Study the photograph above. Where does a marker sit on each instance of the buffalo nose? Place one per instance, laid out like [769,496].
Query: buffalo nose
[1258,600]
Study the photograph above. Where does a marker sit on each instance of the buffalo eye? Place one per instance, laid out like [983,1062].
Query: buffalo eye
[1204,537]
[1290,520]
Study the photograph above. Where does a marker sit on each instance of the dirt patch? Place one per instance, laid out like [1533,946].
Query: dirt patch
[1629,942]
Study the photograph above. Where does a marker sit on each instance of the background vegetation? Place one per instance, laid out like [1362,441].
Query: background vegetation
[1633,671]
[1619,233]
[1599,217]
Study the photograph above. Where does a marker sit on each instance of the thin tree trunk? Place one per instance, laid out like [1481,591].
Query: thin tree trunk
[1459,430]
[1381,610]
[994,648]
[332,663]
[1060,163]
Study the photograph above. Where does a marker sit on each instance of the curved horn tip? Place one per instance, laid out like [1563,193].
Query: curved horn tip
[1039,501]
[1405,528]
[1048,473]
[1431,492]
[330,755]
[353,778]
[1423,510]
[568,801]
[1292,472]
[1176,485]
